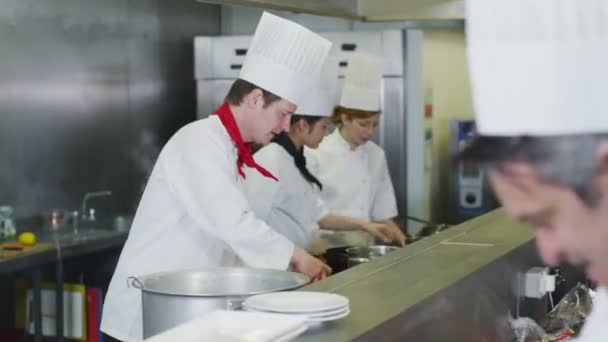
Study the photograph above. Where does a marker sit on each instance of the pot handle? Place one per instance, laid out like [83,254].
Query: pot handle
[234,304]
[136,283]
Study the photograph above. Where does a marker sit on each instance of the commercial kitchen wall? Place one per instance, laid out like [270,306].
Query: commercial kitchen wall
[445,76]
[89,92]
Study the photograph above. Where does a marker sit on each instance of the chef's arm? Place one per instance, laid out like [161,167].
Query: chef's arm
[345,223]
[339,222]
[203,182]
[395,233]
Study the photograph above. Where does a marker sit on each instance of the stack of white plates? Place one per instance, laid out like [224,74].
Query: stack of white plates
[314,307]
[236,326]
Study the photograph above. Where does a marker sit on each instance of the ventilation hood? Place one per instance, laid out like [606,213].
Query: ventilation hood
[365,10]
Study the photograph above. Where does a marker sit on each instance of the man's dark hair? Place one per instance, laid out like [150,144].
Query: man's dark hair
[240,88]
[566,160]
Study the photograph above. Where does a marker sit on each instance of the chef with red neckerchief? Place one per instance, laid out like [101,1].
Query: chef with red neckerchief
[193,212]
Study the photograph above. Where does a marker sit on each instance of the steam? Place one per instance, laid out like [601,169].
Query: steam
[144,155]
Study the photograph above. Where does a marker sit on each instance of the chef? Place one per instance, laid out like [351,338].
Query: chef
[293,206]
[194,212]
[539,71]
[351,167]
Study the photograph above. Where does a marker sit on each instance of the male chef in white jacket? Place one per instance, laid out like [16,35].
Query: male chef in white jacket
[193,212]
[539,72]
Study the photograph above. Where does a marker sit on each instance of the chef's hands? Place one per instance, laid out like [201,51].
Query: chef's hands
[395,234]
[305,263]
[386,232]
[319,247]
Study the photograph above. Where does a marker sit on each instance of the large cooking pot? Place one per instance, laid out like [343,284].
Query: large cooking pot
[342,258]
[172,298]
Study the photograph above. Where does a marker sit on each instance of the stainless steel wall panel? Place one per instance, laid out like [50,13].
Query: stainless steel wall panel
[89,91]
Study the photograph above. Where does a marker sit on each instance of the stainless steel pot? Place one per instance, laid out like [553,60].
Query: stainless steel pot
[172,298]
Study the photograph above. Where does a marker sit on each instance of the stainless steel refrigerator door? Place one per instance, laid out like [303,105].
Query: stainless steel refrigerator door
[219,57]
[392,137]
[210,95]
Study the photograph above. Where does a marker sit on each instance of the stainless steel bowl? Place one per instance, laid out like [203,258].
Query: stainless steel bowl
[370,252]
[220,281]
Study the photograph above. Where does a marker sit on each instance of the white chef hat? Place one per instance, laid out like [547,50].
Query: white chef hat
[282,56]
[362,82]
[539,67]
[321,99]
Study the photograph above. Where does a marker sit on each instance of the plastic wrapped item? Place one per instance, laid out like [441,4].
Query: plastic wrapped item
[568,316]
[526,329]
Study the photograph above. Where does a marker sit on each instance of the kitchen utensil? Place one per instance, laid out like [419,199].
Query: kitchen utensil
[336,258]
[172,298]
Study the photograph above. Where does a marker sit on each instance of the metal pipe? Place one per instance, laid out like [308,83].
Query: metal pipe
[90,195]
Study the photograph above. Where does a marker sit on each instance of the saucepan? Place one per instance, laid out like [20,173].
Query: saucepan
[342,258]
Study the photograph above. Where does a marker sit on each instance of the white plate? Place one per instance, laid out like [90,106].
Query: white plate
[319,314]
[236,326]
[327,318]
[297,301]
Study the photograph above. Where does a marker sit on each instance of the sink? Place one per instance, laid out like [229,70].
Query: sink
[83,235]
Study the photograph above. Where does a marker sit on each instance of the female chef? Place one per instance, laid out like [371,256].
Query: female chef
[351,167]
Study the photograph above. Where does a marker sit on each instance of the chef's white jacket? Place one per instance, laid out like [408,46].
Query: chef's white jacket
[292,206]
[356,183]
[193,214]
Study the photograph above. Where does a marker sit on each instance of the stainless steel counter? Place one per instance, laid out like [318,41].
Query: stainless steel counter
[65,245]
[458,285]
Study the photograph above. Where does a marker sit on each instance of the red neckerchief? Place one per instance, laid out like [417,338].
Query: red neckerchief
[244,150]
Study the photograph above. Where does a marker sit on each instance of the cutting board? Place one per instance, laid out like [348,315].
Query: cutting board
[15,249]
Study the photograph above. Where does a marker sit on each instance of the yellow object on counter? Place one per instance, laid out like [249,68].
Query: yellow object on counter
[27,239]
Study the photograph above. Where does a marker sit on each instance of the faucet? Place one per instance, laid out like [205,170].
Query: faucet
[87,196]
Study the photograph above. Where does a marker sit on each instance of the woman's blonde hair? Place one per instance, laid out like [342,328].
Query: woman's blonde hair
[350,113]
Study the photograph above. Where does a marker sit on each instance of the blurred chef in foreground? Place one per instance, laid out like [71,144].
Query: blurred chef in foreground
[539,72]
